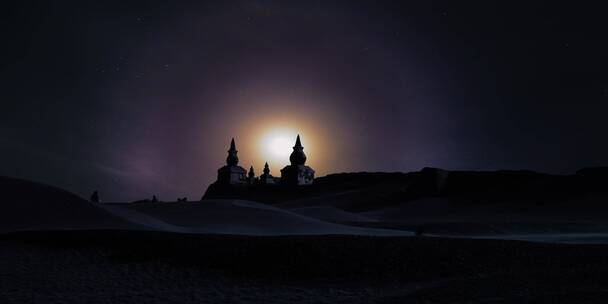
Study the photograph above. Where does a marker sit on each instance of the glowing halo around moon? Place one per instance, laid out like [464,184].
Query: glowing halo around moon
[280,146]
[277,144]
[271,137]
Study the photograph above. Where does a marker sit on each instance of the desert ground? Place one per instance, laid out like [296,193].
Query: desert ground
[160,267]
[59,248]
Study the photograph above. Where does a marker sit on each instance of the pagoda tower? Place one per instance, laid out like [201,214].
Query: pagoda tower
[251,176]
[266,178]
[297,173]
[232,173]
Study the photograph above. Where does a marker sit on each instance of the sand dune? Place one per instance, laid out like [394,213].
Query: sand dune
[33,206]
[441,216]
[332,214]
[29,206]
[236,217]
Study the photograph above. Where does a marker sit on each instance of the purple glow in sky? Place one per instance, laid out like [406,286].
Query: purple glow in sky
[135,99]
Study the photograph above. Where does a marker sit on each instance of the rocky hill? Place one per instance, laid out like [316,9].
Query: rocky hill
[365,191]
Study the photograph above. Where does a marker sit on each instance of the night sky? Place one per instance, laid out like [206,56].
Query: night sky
[135,99]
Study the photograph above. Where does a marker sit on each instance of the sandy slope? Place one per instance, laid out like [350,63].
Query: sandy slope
[26,205]
[560,223]
[234,217]
[30,206]
[332,214]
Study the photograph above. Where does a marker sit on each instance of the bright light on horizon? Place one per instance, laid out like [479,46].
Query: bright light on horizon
[280,146]
[277,144]
[270,138]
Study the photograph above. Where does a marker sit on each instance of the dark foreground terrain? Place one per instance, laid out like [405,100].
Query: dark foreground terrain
[158,267]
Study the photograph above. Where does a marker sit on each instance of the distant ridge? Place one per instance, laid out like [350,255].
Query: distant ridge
[363,191]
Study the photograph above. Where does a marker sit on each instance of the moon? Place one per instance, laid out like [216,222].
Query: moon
[280,146]
[277,145]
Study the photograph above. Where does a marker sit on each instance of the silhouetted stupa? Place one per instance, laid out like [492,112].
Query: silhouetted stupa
[297,173]
[251,179]
[232,173]
[266,178]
